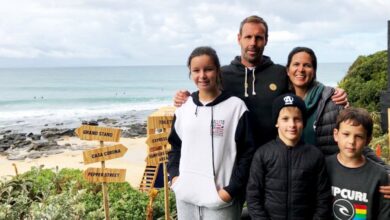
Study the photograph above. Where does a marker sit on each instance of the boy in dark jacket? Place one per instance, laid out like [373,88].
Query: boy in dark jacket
[288,178]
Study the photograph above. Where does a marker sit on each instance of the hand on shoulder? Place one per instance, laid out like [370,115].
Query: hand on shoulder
[181,97]
[340,97]
[385,190]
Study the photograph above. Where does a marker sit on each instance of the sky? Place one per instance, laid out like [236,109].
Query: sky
[52,33]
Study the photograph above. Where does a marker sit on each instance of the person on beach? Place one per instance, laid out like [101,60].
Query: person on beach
[254,78]
[212,146]
[354,178]
[288,178]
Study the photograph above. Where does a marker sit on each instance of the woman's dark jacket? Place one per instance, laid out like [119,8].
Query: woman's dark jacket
[325,122]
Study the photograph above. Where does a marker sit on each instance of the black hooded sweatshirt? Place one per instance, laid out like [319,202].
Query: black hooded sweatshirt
[264,83]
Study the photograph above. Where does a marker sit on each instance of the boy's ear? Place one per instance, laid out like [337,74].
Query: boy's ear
[335,132]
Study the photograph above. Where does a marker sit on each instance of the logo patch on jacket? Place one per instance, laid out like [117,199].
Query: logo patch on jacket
[273,87]
[218,128]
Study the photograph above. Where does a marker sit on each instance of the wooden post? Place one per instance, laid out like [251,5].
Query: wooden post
[101,154]
[159,124]
[104,189]
[149,209]
[16,169]
[166,191]
[388,133]
[385,95]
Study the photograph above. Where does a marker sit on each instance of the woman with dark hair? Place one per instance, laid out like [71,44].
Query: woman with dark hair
[322,112]
[212,146]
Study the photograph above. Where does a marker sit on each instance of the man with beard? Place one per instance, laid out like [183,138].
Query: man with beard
[254,78]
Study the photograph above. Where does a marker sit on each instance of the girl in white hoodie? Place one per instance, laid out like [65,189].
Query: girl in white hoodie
[212,146]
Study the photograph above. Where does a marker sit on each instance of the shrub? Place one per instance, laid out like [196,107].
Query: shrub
[64,194]
[365,80]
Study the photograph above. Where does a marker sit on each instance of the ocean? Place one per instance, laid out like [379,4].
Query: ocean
[38,97]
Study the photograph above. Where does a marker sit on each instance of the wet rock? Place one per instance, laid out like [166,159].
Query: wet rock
[5,132]
[45,145]
[52,152]
[17,140]
[34,155]
[16,157]
[107,121]
[22,144]
[15,137]
[135,130]
[51,133]
[4,147]
[92,122]
[34,137]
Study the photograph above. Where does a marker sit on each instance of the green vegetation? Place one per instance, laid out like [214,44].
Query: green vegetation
[64,194]
[365,80]
[379,139]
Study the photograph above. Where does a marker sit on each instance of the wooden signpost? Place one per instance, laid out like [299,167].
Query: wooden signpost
[104,153]
[102,175]
[155,140]
[92,133]
[105,175]
[159,125]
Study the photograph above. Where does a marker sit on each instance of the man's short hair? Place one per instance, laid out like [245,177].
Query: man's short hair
[358,116]
[255,19]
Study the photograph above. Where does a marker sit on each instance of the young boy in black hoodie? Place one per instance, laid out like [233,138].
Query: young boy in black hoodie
[288,178]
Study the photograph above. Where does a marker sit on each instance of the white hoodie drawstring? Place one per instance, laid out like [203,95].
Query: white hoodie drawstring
[246,83]
[253,81]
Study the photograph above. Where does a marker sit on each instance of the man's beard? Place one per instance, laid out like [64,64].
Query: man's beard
[253,59]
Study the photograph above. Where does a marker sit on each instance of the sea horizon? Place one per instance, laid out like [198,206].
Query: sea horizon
[31,98]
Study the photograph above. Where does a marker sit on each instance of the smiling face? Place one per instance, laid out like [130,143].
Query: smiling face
[252,40]
[290,125]
[204,73]
[301,71]
[351,139]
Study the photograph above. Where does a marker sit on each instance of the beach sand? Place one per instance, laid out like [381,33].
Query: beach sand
[133,161]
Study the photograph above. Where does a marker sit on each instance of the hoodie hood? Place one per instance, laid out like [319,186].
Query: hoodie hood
[222,97]
[265,62]
[262,86]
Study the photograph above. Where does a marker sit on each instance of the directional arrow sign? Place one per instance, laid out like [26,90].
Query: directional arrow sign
[88,132]
[155,140]
[106,175]
[104,153]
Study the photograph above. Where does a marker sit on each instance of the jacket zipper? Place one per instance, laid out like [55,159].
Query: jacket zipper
[289,183]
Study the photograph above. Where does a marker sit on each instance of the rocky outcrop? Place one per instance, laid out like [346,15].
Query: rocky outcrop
[19,146]
[134,130]
[52,133]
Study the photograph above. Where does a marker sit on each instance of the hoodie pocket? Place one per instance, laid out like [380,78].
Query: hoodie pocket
[198,189]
